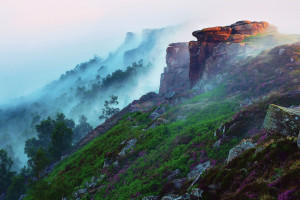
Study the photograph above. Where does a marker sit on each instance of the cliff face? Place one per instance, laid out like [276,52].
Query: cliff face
[176,75]
[215,46]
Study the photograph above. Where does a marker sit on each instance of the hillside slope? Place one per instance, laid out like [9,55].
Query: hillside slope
[211,142]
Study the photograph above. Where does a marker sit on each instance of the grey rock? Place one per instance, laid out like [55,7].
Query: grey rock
[239,149]
[282,120]
[281,51]
[181,118]
[186,196]
[173,175]
[21,197]
[153,125]
[178,183]
[80,192]
[129,146]
[116,163]
[298,141]
[63,157]
[157,112]
[107,163]
[197,193]
[198,170]
[217,144]
[154,115]
[170,197]
[170,95]
[150,198]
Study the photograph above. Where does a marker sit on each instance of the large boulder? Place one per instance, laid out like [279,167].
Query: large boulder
[282,120]
[239,149]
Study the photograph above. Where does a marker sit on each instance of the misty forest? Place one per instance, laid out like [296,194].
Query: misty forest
[163,118]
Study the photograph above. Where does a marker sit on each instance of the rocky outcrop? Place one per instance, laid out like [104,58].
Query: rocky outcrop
[176,75]
[215,46]
[282,120]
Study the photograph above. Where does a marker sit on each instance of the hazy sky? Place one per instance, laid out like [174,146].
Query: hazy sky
[41,39]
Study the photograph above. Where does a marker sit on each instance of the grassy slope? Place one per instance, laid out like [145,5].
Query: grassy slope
[178,144]
[170,146]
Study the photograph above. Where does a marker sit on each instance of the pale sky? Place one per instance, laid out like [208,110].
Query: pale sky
[41,39]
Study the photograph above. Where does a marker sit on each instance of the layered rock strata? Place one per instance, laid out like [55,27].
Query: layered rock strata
[176,75]
[215,46]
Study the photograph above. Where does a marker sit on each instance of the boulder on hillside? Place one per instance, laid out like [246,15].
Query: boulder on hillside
[199,169]
[129,146]
[239,149]
[282,120]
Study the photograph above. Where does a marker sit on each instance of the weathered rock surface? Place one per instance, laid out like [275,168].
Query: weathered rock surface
[197,193]
[285,121]
[239,149]
[176,74]
[129,146]
[199,169]
[157,113]
[233,33]
[298,140]
[217,45]
[150,198]
[22,196]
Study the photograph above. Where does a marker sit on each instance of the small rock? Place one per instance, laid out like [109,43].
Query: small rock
[63,157]
[281,51]
[80,192]
[181,118]
[173,175]
[170,197]
[186,196]
[116,163]
[130,145]
[21,197]
[150,198]
[199,169]
[170,95]
[217,144]
[178,183]
[239,149]
[154,115]
[107,163]
[298,141]
[197,193]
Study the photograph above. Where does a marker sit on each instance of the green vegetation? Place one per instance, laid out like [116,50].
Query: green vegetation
[158,152]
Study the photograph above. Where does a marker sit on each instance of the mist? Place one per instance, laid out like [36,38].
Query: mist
[50,50]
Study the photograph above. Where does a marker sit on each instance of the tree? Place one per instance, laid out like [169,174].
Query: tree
[16,188]
[38,162]
[60,117]
[5,171]
[81,129]
[44,130]
[44,137]
[61,140]
[109,108]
